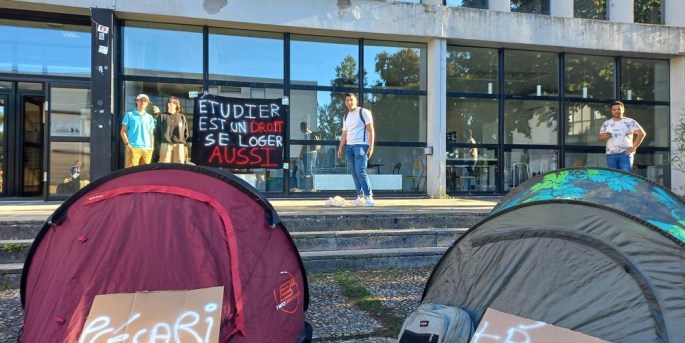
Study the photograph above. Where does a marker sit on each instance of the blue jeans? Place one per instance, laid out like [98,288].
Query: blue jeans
[620,161]
[356,162]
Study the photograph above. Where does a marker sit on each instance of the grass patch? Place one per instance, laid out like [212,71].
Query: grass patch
[364,300]
[14,247]
[5,284]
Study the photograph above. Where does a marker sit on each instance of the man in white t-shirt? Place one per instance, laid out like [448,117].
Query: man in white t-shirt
[618,132]
[357,140]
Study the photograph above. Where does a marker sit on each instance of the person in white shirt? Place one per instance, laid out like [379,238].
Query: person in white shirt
[357,140]
[619,132]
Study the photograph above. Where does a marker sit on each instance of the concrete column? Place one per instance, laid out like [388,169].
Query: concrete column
[677,110]
[673,12]
[500,5]
[561,8]
[431,2]
[622,11]
[436,117]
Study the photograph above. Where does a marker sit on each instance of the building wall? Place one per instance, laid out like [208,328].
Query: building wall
[429,23]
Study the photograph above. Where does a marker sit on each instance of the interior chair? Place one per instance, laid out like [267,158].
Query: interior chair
[396,170]
[418,175]
[519,173]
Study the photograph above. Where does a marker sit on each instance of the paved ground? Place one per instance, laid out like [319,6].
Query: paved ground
[39,210]
[335,317]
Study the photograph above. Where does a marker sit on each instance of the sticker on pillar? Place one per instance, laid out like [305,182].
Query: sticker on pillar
[101,36]
[103,49]
[103,29]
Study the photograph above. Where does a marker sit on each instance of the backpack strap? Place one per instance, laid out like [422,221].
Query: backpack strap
[361,117]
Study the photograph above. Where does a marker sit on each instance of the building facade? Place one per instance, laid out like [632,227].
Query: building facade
[468,97]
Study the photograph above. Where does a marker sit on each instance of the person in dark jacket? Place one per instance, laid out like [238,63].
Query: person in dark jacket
[173,133]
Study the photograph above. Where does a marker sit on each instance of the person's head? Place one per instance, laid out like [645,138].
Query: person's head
[351,101]
[173,105]
[617,109]
[304,127]
[78,163]
[142,101]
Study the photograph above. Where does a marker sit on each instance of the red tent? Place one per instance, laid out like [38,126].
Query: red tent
[166,227]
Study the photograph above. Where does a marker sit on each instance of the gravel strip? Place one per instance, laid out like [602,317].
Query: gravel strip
[11,315]
[331,315]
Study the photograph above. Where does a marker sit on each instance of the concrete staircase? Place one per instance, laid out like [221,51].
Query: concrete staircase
[326,242]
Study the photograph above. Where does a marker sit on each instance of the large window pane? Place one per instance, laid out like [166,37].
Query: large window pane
[324,61]
[583,123]
[582,159]
[590,9]
[531,73]
[468,3]
[654,166]
[398,118]
[479,116]
[44,48]
[530,6]
[472,174]
[70,112]
[644,80]
[523,164]
[238,55]
[472,70]
[166,50]
[531,122]
[322,111]
[66,176]
[648,11]
[589,77]
[654,120]
[394,65]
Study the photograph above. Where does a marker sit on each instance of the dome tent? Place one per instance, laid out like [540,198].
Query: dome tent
[597,251]
[166,227]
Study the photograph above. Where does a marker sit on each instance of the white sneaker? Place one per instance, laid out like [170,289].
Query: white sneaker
[358,202]
[369,202]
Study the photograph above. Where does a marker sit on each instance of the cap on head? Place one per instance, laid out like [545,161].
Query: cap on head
[142,96]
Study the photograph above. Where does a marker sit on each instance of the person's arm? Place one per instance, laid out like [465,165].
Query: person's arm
[372,139]
[186,133]
[604,136]
[152,138]
[343,142]
[641,134]
[124,137]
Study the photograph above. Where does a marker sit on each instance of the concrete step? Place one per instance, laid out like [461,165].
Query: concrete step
[10,275]
[326,261]
[14,251]
[317,222]
[375,239]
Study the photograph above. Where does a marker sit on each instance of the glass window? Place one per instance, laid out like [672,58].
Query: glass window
[654,120]
[589,77]
[44,48]
[648,11]
[530,6]
[479,116]
[324,61]
[322,111]
[164,50]
[70,112]
[69,167]
[531,122]
[531,73]
[472,70]
[582,159]
[521,165]
[590,9]
[30,86]
[238,55]
[473,173]
[5,85]
[644,80]
[468,3]
[584,121]
[398,118]
[394,65]
[655,166]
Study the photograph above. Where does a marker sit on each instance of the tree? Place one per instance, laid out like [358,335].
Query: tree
[330,116]
[647,11]
[590,9]
[530,6]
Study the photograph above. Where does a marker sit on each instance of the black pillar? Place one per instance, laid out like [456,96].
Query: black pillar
[102,25]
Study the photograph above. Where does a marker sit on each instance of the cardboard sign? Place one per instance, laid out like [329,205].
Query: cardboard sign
[502,327]
[238,133]
[171,316]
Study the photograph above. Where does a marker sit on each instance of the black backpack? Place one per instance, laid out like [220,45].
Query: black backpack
[361,117]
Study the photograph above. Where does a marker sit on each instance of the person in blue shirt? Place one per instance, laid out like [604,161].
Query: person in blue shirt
[137,133]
